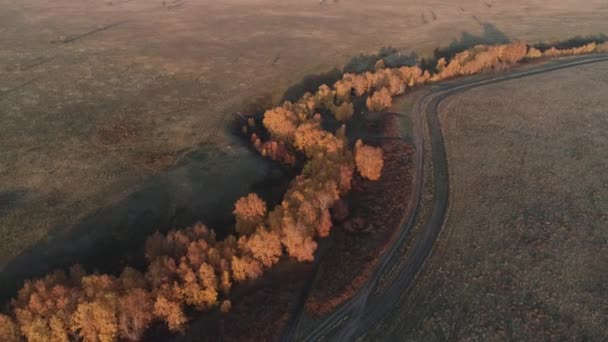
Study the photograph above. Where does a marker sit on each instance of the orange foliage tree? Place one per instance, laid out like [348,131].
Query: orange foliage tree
[380,100]
[9,331]
[369,160]
[249,211]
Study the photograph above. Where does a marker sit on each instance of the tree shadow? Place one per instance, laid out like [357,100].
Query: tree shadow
[361,63]
[391,57]
[395,58]
[10,199]
[572,42]
[490,35]
[203,188]
[311,83]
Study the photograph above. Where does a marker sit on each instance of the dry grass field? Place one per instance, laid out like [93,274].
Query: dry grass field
[114,114]
[524,252]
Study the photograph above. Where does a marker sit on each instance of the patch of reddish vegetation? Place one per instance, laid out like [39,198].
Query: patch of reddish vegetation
[274,150]
[115,132]
[156,160]
[260,310]
[377,210]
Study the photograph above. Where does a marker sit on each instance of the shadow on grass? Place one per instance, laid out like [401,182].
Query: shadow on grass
[10,199]
[204,187]
[572,42]
[311,83]
[358,64]
[391,57]
[490,35]
[394,58]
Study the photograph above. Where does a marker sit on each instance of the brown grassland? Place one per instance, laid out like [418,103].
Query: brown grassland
[523,253]
[93,113]
[110,136]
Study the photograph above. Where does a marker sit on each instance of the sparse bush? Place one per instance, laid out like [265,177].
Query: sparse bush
[226,306]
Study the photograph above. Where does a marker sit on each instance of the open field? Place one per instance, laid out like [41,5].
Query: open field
[522,255]
[115,113]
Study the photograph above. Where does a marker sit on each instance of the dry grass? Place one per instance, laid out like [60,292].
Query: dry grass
[523,254]
[176,72]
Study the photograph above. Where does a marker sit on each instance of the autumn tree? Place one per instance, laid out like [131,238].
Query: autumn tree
[9,331]
[311,139]
[197,288]
[250,212]
[514,52]
[394,84]
[245,267]
[344,111]
[297,241]
[413,75]
[360,84]
[171,312]
[344,88]
[587,48]
[481,58]
[131,278]
[96,320]
[369,160]
[533,53]
[324,97]
[44,306]
[380,100]
[264,245]
[281,123]
[135,313]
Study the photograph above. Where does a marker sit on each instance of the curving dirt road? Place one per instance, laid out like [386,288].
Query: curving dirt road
[355,317]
